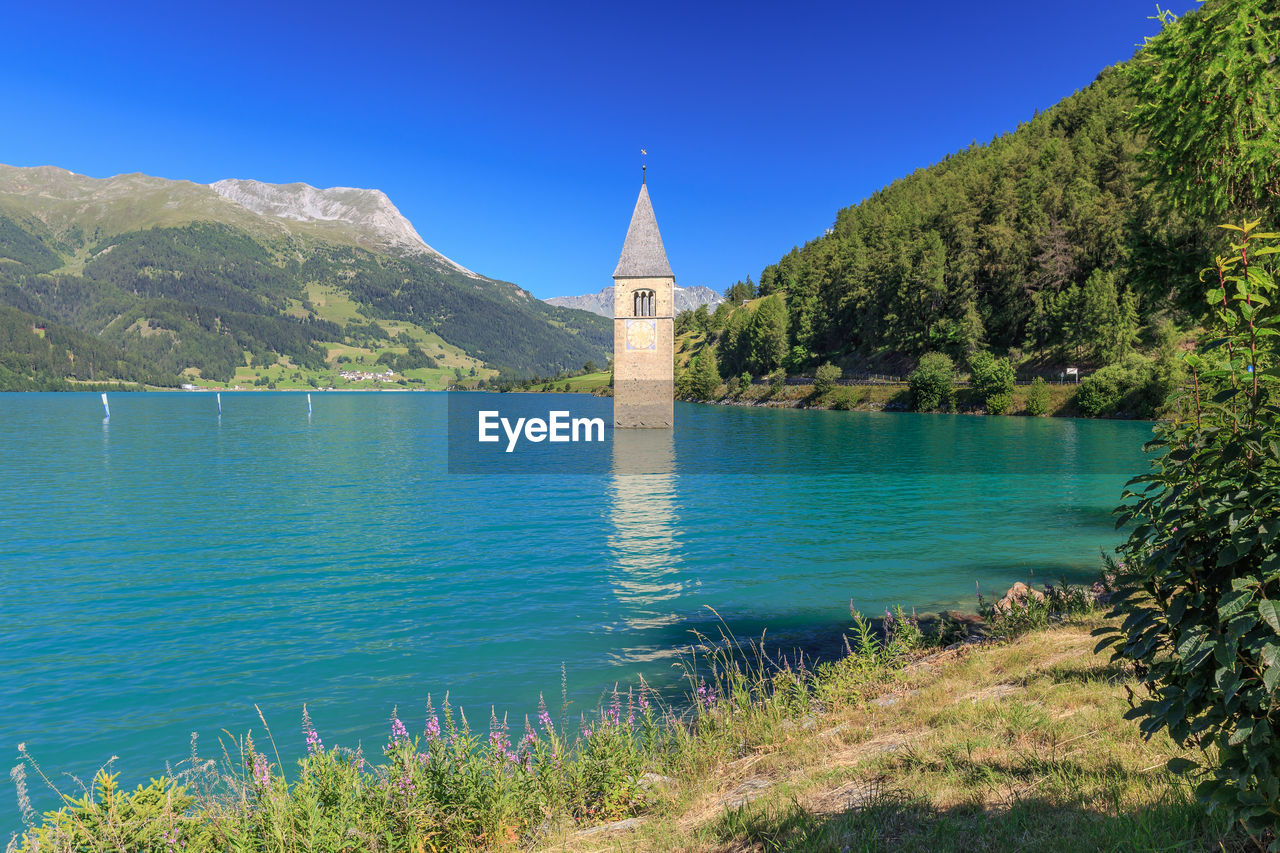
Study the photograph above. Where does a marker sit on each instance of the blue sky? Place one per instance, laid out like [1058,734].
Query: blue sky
[509,133]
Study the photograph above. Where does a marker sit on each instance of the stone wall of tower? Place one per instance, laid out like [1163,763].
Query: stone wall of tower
[644,380]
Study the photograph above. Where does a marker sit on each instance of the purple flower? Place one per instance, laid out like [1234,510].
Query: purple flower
[399,734]
[498,738]
[314,745]
[544,719]
[261,769]
[433,723]
[586,733]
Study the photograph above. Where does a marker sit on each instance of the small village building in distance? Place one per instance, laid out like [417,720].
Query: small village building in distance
[643,326]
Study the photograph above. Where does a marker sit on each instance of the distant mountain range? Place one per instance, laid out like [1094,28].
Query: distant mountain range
[165,280]
[687,299]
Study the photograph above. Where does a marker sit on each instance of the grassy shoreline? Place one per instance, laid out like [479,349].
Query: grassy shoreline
[915,739]
[877,398]
[853,398]
[995,747]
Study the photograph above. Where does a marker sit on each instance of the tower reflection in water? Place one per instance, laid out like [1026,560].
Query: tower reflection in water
[643,540]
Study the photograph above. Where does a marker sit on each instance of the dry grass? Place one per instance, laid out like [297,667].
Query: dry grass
[1011,747]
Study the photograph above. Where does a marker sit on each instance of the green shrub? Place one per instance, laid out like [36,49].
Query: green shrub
[1199,578]
[1036,610]
[744,381]
[824,378]
[777,381]
[950,629]
[932,383]
[869,650]
[992,380]
[998,404]
[903,634]
[1135,386]
[846,400]
[1101,393]
[1038,397]
[151,818]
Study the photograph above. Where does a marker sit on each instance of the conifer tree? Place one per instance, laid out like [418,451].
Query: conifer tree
[767,334]
[1208,89]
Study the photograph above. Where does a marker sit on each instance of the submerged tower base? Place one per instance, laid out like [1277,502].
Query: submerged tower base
[643,326]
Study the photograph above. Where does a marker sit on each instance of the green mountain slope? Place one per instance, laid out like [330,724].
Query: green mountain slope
[175,276]
[39,356]
[1044,244]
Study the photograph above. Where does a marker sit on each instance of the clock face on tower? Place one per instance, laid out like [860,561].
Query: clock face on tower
[642,334]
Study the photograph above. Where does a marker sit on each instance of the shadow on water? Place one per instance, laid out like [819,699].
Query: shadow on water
[1089,516]
[793,636]
[1036,574]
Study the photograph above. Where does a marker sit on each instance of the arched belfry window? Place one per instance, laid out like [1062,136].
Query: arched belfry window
[645,303]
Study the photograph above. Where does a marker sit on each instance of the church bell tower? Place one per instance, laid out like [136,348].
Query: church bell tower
[643,326]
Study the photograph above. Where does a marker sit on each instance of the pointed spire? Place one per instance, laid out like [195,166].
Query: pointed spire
[643,255]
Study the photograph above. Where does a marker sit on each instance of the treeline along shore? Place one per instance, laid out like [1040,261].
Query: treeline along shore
[829,390]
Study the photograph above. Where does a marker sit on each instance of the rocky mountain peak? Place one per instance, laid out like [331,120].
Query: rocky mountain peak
[368,211]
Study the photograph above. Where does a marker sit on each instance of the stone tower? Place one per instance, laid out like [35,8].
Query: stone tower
[643,326]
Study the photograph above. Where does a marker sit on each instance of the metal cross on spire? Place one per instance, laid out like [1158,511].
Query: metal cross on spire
[643,167]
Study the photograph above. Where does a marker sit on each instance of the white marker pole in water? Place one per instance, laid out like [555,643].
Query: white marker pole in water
[219,402]
[106,410]
[308,404]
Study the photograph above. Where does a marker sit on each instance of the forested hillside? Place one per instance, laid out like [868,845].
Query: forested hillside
[207,299]
[1077,240]
[1044,243]
[1054,245]
[35,356]
[1041,240]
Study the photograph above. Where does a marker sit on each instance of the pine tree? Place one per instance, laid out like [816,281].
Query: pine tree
[1096,332]
[767,334]
[705,381]
[1208,91]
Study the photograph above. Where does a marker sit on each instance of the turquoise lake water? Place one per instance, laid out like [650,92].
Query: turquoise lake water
[167,569]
